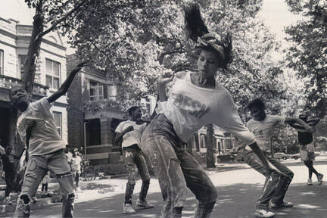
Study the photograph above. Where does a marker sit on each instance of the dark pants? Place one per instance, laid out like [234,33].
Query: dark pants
[309,164]
[76,175]
[135,163]
[9,168]
[176,169]
[276,184]
[10,183]
[44,187]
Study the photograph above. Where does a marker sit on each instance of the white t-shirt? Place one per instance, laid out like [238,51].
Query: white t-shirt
[76,163]
[46,179]
[264,130]
[44,138]
[69,157]
[132,137]
[190,107]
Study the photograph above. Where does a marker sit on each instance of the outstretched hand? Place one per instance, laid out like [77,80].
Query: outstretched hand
[66,84]
[299,124]
[81,65]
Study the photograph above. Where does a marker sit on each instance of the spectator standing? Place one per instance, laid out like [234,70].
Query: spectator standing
[76,167]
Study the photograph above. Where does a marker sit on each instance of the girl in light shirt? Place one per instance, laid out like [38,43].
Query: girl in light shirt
[194,100]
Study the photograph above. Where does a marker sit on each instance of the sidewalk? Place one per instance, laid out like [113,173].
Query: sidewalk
[238,188]
[224,174]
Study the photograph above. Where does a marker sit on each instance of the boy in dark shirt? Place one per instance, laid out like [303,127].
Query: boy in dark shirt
[307,148]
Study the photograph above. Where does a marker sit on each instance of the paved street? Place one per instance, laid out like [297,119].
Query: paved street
[237,185]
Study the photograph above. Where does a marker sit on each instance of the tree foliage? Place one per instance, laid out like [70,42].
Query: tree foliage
[136,41]
[308,54]
[49,16]
[252,73]
[124,39]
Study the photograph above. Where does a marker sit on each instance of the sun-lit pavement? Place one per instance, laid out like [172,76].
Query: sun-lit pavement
[238,188]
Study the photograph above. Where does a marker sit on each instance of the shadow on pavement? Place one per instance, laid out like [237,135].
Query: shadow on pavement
[235,201]
[229,166]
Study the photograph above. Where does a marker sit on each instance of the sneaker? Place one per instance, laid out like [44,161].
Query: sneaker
[7,201]
[320,176]
[2,209]
[285,204]
[22,210]
[143,204]
[263,213]
[128,208]
[34,200]
[309,182]
[78,189]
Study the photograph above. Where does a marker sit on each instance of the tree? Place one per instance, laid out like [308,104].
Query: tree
[210,145]
[308,54]
[135,41]
[130,36]
[49,16]
[252,72]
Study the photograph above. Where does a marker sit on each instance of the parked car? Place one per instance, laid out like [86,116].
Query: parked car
[281,155]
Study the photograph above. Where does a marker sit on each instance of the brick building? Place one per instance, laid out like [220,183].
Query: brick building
[50,73]
[94,114]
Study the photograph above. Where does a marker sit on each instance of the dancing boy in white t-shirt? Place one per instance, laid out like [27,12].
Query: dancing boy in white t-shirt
[263,125]
[37,129]
[130,132]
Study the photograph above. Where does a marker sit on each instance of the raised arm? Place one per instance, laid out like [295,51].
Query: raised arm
[64,87]
[119,135]
[299,124]
[162,84]
[313,121]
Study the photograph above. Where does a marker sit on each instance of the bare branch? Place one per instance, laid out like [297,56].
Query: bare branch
[55,24]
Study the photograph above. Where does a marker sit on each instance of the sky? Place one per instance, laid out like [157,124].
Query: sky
[17,10]
[274,14]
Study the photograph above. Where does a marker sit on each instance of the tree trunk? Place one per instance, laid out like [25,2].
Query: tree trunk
[210,145]
[196,140]
[33,50]
[29,72]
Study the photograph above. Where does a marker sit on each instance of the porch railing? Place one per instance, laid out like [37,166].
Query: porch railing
[8,82]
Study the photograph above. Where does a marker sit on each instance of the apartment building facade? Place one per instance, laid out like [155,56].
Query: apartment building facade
[50,73]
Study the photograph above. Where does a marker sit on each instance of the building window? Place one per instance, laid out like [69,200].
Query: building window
[112,92]
[96,91]
[58,121]
[21,61]
[1,62]
[53,74]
